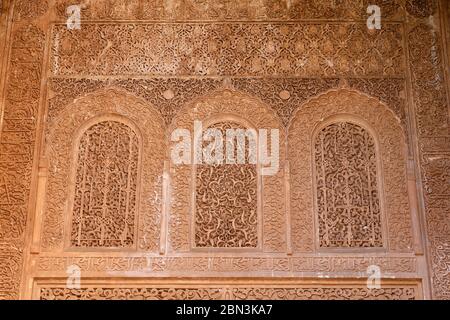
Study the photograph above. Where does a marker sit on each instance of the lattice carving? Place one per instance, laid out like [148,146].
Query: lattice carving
[105,197]
[226,214]
[347,197]
[228,49]
[60,136]
[392,152]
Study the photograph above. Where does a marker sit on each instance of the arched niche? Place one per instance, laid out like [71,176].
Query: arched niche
[347,182]
[354,107]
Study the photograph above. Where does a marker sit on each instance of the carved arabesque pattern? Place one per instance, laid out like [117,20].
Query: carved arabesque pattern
[18,113]
[233,293]
[105,197]
[392,155]
[433,130]
[421,8]
[245,49]
[347,200]
[260,116]
[389,91]
[60,136]
[26,9]
[219,10]
[226,212]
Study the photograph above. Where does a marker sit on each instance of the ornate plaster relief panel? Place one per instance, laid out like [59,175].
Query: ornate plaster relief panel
[220,106]
[62,206]
[345,105]
[210,289]
[273,63]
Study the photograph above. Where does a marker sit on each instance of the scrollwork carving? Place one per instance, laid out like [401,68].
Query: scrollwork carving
[226,207]
[106,181]
[234,293]
[346,180]
[392,153]
[60,138]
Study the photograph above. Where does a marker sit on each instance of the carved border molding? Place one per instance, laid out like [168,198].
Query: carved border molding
[17,144]
[273,208]
[208,264]
[218,10]
[433,130]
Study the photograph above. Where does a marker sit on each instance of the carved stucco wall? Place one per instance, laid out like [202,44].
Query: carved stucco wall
[346,105]
[265,72]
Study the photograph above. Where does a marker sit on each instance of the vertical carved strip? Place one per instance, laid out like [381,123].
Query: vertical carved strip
[105,197]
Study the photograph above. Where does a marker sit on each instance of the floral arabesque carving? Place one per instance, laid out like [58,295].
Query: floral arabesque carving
[60,139]
[273,207]
[392,154]
[226,198]
[106,186]
[346,182]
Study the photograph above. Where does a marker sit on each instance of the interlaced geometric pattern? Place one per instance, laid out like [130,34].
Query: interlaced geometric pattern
[226,199]
[105,198]
[348,202]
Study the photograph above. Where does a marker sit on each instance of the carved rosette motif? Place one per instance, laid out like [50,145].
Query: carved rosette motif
[260,116]
[106,178]
[392,152]
[346,182]
[60,137]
